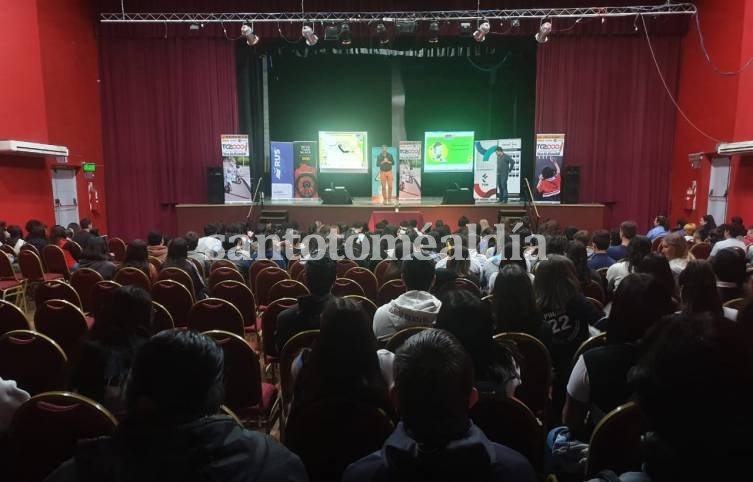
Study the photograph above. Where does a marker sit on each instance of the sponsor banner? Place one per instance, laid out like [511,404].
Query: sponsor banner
[550,151]
[383,182]
[304,175]
[236,167]
[282,170]
[410,170]
[491,158]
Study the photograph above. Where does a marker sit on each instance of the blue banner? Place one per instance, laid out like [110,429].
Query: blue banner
[282,169]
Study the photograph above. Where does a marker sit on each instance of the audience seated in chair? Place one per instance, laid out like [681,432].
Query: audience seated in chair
[415,307]
[96,257]
[11,397]
[675,249]
[177,257]
[59,239]
[137,256]
[729,267]
[515,306]
[698,292]
[435,439]
[600,258]
[84,233]
[637,248]
[156,246]
[628,230]
[171,432]
[731,233]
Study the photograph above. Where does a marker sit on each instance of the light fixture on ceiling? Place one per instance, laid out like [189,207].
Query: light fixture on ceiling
[543,34]
[483,29]
[434,32]
[381,30]
[345,36]
[309,35]
[248,32]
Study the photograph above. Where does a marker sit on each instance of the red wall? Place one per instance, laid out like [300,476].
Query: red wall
[717,104]
[50,95]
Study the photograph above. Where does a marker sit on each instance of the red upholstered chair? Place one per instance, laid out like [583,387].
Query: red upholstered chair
[269,327]
[616,441]
[345,287]
[7,250]
[133,276]
[13,289]
[100,295]
[12,318]
[161,318]
[343,265]
[397,340]
[265,280]
[179,275]
[593,342]
[535,372]
[223,263]
[467,285]
[366,280]
[291,350]
[380,270]
[31,267]
[198,265]
[368,306]
[75,249]
[176,298]
[592,289]
[56,290]
[32,248]
[701,250]
[253,271]
[295,266]
[33,360]
[6,268]
[389,291]
[156,263]
[117,247]
[300,276]
[46,429]
[215,314]
[83,280]
[223,273]
[596,304]
[63,322]
[287,288]
[240,296]
[332,433]
[54,260]
[245,393]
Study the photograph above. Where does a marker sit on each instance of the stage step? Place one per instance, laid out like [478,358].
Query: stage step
[275,216]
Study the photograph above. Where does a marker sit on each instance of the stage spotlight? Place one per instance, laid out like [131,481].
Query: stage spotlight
[309,35]
[544,30]
[434,32]
[345,36]
[248,32]
[381,31]
[515,22]
[465,29]
[480,34]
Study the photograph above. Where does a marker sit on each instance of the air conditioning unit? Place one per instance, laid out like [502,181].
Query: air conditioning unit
[32,149]
[744,148]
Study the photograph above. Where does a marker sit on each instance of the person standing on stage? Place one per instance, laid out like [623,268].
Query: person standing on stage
[386,162]
[505,165]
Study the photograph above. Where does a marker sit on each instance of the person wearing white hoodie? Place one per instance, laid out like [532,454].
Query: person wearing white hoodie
[416,307]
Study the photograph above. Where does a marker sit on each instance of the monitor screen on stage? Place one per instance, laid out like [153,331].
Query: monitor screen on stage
[448,151]
[343,152]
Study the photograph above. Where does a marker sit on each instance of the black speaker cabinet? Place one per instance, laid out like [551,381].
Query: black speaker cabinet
[571,185]
[338,195]
[215,185]
[458,196]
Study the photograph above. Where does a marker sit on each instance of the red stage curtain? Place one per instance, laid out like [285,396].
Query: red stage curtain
[604,93]
[164,105]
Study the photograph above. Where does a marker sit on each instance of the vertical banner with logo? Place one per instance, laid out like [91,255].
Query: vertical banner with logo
[282,170]
[492,158]
[304,175]
[410,170]
[547,176]
[236,167]
[383,175]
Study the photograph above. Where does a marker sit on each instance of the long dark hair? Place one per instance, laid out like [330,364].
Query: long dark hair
[698,289]
[125,320]
[95,250]
[576,252]
[637,249]
[57,232]
[137,256]
[514,301]
[639,303]
[657,265]
[556,283]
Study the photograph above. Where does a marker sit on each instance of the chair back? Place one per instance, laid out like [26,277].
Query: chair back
[63,322]
[133,276]
[467,285]
[198,265]
[257,267]
[12,318]
[397,340]
[30,247]
[509,422]
[240,296]
[593,290]
[701,250]
[83,280]
[345,287]
[179,275]
[223,263]
[215,314]
[735,304]
[223,273]
[294,267]
[242,374]
[593,342]
[101,294]
[381,269]
[489,299]
[368,306]
[161,318]
[289,352]
[56,290]
[343,265]
[616,442]
[75,249]
[176,298]
[603,273]
[656,244]
[596,304]
[35,361]
[156,263]
[287,288]
[535,372]
[54,260]
[265,280]
[332,433]
[30,264]
[46,429]
[6,267]
[389,291]
[7,250]
[269,325]
[117,247]
[300,275]
[365,279]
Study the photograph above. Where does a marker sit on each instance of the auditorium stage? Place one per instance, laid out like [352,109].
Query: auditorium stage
[193,217]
